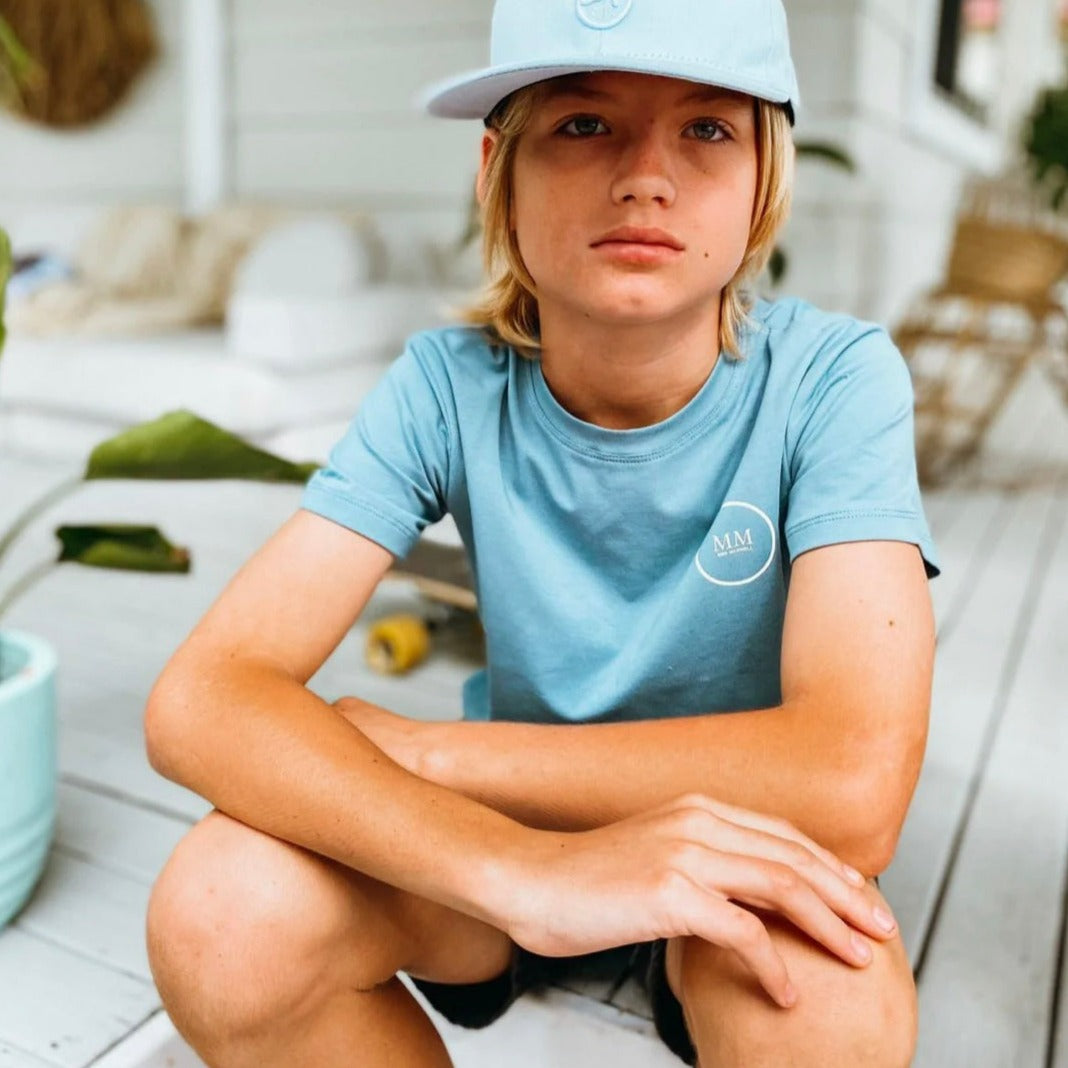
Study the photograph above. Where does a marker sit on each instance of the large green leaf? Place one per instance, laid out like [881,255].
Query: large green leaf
[181,445]
[121,546]
[5,274]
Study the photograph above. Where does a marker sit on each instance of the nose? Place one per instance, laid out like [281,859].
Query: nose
[644,172]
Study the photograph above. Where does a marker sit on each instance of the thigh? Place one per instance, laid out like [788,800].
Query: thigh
[225,875]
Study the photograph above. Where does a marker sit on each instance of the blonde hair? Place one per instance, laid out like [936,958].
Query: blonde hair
[507,307]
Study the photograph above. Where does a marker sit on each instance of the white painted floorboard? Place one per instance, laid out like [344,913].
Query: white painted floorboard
[992,964]
[972,657]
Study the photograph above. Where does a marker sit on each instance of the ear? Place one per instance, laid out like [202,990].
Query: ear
[489,145]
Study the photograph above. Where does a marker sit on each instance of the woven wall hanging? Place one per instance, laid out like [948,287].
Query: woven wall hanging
[90,53]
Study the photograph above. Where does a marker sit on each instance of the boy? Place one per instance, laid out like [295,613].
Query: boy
[677,501]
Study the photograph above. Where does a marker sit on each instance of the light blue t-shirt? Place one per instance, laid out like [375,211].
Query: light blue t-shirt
[632,574]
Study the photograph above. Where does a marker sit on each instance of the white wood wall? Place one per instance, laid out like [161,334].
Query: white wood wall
[323,110]
[323,91]
[321,114]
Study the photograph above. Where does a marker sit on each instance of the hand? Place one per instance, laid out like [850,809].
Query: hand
[400,738]
[676,870]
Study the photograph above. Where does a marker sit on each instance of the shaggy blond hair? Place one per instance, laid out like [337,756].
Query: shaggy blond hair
[507,305]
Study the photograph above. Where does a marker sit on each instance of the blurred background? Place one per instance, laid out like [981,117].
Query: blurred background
[233,208]
[165,139]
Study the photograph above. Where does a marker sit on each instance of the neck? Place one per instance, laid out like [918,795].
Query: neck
[626,376]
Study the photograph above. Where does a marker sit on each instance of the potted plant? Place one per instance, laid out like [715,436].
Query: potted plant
[178,445]
[1045,142]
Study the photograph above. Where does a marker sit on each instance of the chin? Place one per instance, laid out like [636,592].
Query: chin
[627,306]
[627,298]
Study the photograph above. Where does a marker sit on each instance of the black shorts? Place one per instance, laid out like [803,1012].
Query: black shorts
[479,1004]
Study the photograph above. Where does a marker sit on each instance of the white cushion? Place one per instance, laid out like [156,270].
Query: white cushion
[315,257]
[305,331]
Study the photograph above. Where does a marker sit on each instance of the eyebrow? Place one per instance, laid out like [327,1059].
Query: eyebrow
[704,94]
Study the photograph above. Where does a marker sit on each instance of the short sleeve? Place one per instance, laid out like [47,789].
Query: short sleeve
[852,452]
[387,477]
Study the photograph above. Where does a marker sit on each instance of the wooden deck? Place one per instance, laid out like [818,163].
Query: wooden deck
[978,883]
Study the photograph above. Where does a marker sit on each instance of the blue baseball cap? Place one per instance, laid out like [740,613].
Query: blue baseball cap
[736,44]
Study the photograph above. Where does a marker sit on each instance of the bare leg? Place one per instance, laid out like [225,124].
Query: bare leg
[843,1017]
[380,1027]
[266,954]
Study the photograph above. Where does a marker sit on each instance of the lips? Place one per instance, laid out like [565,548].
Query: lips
[636,235]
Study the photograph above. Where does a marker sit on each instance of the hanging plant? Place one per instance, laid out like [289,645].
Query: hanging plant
[18,71]
[87,54]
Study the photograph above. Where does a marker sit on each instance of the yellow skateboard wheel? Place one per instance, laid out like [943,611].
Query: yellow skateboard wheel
[396,644]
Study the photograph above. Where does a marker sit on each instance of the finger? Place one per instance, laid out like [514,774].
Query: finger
[780,828]
[716,920]
[747,822]
[777,887]
[851,903]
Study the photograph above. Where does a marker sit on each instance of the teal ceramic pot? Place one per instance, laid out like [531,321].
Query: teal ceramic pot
[27,765]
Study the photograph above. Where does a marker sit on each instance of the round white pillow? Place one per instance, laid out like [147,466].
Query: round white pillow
[314,256]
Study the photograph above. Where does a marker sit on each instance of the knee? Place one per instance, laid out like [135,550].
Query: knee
[242,930]
[843,1016]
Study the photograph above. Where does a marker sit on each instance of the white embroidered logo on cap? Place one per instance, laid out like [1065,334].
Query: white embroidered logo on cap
[602,14]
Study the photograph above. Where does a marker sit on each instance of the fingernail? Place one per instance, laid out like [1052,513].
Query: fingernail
[853,875]
[883,918]
[862,947]
[790,994]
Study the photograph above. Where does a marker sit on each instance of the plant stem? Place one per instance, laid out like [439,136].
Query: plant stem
[39,506]
[31,577]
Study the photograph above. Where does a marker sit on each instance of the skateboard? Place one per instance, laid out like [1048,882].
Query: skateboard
[440,573]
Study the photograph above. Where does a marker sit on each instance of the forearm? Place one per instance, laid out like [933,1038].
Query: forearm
[576,776]
[265,750]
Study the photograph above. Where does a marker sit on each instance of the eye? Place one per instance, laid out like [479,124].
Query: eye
[708,128]
[582,126]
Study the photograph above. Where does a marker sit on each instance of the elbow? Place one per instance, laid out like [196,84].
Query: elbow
[868,850]
[162,711]
[870,832]
[876,803]
[872,855]
[154,723]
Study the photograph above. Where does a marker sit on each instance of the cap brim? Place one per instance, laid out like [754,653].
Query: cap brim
[474,94]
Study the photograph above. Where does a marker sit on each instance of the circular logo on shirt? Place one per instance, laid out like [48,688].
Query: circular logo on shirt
[739,547]
[602,14]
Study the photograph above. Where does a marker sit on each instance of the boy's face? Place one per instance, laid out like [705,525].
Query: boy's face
[616,149]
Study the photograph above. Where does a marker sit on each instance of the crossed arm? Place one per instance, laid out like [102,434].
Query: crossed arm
[839,758]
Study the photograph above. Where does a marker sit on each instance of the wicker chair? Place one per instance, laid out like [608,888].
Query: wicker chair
[969,340]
